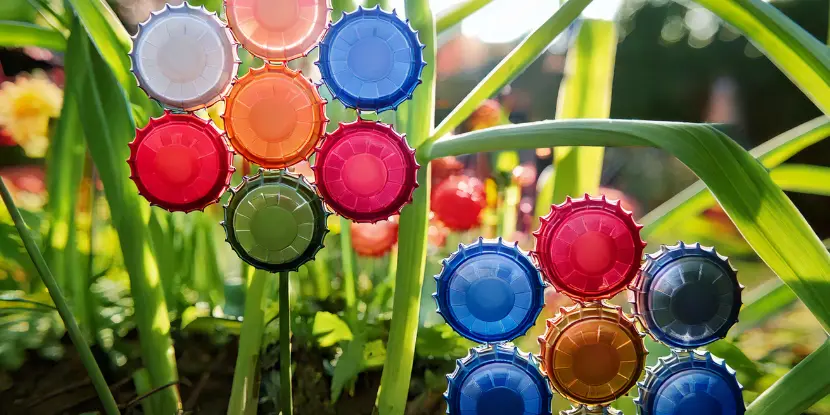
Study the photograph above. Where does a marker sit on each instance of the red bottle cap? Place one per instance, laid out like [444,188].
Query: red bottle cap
[365,171]
[180,162]
[589,249]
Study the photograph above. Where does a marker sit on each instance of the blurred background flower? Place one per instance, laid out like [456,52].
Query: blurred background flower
[27,104]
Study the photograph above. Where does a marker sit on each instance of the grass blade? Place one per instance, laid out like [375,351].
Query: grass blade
[286,398]
[511,66]
[585,93]
[349,281]
[766,218]
[765,302]
[799,389]
[108,127]
[81,346]
[245,387]
[803,178]
[458,13]
[695,199]
[799,55]
[19,34]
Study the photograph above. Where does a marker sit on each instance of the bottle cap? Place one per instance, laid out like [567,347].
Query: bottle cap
[365,171]
[180,162]
[589,249]
[687,296]
[274,116]
[275,221]
[497,380]
[371,60]
[690,382]
[591,410]
[278,30]
[458,201]
[184,57]
[592,354]
[489,292]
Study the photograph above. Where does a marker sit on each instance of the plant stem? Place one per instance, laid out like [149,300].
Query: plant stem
[349,283]
[285,347]
[245,387]
[458,13]
[85,354]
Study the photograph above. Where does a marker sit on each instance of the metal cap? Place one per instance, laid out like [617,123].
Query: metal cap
[275,221]
[274,116]
[591,410]
[278,30]
[592,354]
[690,382]
[489,291]
[371,60]
[687,295]
[365,171]
[497,380]
[589,249]
[184,57]
[180,162]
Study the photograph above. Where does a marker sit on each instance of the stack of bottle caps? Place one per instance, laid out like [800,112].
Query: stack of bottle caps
[491,293]
[186,59]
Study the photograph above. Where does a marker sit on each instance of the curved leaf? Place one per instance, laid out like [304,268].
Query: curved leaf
[19,34]
[799,389]
[766,218]
[458,13]
[799,55]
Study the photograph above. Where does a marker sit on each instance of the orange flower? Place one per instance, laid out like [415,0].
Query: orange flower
[374,239]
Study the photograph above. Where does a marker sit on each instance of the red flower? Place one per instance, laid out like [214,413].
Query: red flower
[458,202]
[374,239]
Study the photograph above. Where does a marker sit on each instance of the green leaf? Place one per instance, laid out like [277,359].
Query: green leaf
[803,178]
[458,13]
[585,93]
[512,65]
[19,34]
[330,329]
[107,121]
[799,55]
[735,357]
[348,366]
[799,389]
[766,218]
[764,302]
[108,35]
[696,198]
[244,395]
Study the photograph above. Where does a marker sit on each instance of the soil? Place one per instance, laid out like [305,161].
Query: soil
[46,387]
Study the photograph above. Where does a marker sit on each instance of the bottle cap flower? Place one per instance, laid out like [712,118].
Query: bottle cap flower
[275,221]
[497,380]
[690,383]
[274,116]
[180,162]
[687,295]
[592,354]
[589,249]
[278,30]
[184,57]
[371,60]
[365,171]
[489,292]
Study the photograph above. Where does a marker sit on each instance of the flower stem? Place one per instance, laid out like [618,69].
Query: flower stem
[98,381]
[285,347]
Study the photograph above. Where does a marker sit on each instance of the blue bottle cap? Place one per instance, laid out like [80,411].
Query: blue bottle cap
[687,295]
[489,292]
[371,60]
[690,382]
[591,410]
[497,380]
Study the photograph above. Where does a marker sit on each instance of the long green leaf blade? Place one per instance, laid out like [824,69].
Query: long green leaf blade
[512,65]
[799,389]
[458,13]
[19,34]
[108,35]
[766,218]
[799,55]
[696,198]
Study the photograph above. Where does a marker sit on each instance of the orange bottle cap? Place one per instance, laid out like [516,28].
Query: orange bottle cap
[274,117]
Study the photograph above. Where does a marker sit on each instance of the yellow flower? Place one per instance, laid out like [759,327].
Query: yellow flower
[26,106]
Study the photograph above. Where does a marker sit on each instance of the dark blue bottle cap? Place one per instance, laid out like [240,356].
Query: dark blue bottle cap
[371,60]
[489,291]
[687,295]
[687,383]
[497,380]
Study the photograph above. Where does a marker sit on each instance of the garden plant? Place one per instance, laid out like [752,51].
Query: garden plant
[173,164]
